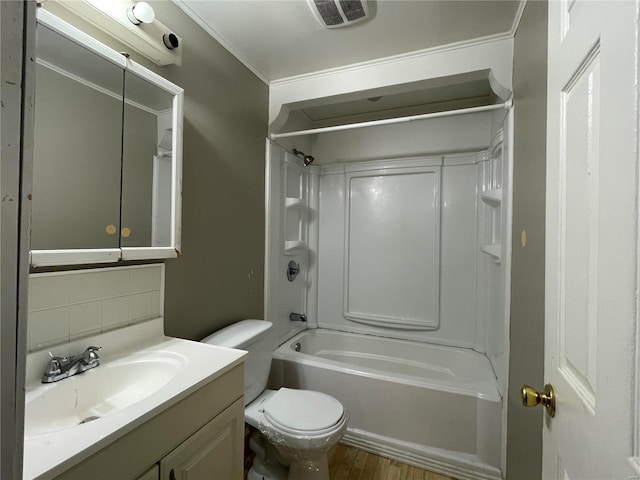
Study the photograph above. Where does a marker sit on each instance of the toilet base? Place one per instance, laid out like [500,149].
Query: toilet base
[298,471]
[264,475]
[301,470]
[268,462]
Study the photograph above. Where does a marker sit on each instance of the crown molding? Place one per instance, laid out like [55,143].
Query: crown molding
[395,58]
[220,39]
[518,18]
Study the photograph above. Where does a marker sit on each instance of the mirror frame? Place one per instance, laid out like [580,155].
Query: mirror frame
[41,258]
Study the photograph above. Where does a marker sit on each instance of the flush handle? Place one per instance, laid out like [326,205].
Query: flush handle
[293,269]
[531,398]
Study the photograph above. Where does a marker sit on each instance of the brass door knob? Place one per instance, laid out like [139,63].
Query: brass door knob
[531,397]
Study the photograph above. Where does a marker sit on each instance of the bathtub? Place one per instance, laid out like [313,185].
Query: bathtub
[432,406]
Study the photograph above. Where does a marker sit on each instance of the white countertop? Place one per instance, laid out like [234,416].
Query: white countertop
[50,454]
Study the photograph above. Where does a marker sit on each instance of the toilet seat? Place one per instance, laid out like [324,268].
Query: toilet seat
[303,412]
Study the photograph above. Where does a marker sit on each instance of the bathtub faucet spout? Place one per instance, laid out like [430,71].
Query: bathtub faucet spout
[297,317]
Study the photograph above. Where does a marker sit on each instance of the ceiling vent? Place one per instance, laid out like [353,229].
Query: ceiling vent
[339,13]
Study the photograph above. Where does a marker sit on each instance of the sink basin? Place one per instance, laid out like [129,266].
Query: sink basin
[98,392]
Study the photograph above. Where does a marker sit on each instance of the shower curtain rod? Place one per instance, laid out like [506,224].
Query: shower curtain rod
[506,105]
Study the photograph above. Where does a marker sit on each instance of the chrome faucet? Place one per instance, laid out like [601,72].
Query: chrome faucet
[59,368]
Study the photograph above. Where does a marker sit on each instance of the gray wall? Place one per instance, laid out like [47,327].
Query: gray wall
[219,277]
[524,426]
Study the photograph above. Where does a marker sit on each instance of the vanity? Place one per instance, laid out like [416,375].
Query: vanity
[107,189]
[156,408]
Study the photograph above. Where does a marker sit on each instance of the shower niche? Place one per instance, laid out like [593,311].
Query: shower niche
[295,209]
[491,196]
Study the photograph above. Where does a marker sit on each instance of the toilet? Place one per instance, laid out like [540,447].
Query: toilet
[297,427]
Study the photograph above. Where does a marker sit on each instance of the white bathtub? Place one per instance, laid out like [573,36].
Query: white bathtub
[432,406]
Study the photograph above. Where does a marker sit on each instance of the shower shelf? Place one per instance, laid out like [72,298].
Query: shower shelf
[492,197]
[291,247]
[492,250]
[292,202]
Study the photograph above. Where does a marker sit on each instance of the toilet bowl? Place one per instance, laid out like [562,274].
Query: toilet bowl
[300,426]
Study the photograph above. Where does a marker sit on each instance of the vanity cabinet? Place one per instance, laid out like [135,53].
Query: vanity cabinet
[215,451]
[107,153]
[199,438]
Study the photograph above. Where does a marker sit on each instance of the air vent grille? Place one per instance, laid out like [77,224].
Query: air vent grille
[339,13]
[329,12]
[353,10]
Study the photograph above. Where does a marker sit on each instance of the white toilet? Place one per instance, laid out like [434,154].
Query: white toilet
[302,425]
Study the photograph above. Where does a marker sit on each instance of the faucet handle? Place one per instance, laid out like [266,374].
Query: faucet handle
[53,367]
[90,355]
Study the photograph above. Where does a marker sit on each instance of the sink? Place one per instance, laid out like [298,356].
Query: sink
[99,392]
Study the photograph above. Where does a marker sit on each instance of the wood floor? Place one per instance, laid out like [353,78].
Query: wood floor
[348,463]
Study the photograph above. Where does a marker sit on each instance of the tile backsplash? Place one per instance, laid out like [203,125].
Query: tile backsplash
[66,306]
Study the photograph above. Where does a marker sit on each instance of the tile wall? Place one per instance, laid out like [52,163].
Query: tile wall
[66,306]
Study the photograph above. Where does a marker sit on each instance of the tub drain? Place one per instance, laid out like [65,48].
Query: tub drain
[297,346]
[89,419]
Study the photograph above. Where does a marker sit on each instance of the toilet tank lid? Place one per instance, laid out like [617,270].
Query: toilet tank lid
[240,334]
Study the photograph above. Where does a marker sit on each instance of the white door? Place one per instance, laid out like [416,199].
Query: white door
[591,239]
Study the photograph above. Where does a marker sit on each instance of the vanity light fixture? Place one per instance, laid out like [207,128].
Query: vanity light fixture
[170,40]
[141,12]
[133,23]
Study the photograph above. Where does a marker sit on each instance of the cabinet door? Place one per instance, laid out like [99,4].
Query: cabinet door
[213,452]
[77,146]
[152,474]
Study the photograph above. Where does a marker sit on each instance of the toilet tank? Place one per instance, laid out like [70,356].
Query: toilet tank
[254,337]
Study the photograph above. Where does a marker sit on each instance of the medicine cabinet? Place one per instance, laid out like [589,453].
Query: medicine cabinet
[107,153]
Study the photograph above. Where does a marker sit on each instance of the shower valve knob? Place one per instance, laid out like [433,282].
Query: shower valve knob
[293,269]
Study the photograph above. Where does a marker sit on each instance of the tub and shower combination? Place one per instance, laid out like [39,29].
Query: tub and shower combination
[405,285]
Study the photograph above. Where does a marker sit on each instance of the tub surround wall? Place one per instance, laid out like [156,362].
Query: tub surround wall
[494,280]
[392,245]
[442,307]
[466,133]
[288,215]
[67,306]
[474,226]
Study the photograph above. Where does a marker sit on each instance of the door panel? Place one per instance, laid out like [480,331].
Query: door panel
[591,238]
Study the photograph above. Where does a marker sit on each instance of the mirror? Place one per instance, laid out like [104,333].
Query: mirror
[77,146]
[107,153]
[146,165]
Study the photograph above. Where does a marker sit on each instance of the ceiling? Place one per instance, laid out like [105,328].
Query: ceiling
[277,39]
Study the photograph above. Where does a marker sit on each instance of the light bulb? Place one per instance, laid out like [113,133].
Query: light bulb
[141,12]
